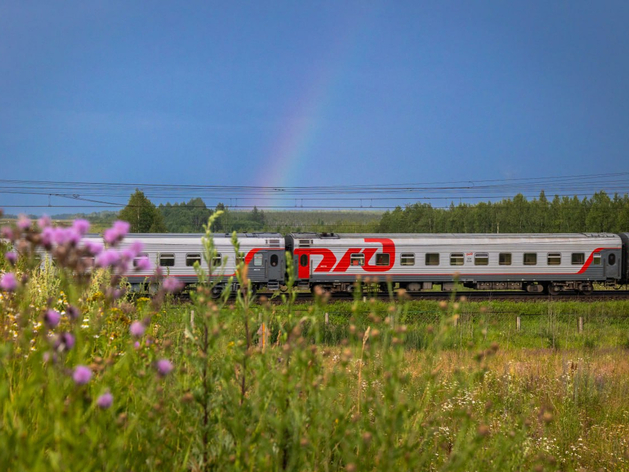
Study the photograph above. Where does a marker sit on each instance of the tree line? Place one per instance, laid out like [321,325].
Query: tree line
[598,213]
[186,217]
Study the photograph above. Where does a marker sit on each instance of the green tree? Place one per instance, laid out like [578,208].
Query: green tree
[142,215]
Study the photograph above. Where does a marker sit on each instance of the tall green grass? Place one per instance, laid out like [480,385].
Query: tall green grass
[256,385]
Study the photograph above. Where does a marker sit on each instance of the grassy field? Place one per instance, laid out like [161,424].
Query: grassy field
[91,380]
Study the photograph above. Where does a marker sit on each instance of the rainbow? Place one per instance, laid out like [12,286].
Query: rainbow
[286,161]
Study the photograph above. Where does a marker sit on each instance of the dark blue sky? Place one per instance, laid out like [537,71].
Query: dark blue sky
[286,93]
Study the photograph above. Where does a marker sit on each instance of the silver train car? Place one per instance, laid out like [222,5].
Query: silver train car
[533,262]
[176,254]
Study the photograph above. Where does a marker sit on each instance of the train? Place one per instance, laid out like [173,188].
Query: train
[333,262]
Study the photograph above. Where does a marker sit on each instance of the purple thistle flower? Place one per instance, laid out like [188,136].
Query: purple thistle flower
[59,236]
[136,247]
[93,247]
[64,342]
[108,258]
[44,222]
[164,367]
[51,318]
[81,226]
[23,222]
[142,263]
[47,237]
[137,329]
[72,312]
[172,285]
[81,375]
[7,233]
[11,256]
[73,236]
[105,400]
[110,236]
[8,282]
[116,233]
[121,227]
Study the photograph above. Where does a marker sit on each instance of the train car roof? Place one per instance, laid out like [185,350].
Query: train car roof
[193,235]
[454,235]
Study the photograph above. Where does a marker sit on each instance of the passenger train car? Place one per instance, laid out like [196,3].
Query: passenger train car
[533,262]
[176,254]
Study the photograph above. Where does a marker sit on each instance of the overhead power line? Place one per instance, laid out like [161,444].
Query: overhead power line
[350,197]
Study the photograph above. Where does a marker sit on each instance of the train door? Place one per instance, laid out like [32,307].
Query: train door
[303,266]
[611,264]
[275,266]
[257,267]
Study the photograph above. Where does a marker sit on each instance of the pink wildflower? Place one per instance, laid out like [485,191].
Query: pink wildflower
[172,285]
[164,367]
[105,400]
[44,222]
[116,233]
[108,258]
[64,342]
[8,282]
[7,233]
[51,318]
[137,329]
[11,256]
[142,263]
[81,226]
[93,247]
[23,222]
[82,375]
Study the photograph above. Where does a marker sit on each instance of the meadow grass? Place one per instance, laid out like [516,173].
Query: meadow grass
[238,383]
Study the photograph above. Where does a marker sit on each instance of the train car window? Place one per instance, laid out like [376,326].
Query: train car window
[274,260]
[432,259]
[382,259]
[578,258]
[611,259]
[167,260]
[481,259]
[530,258]
[217,260]
[457,259]
[407,259]
[257,260]
[554,258]
[303,260]
[192,258]
[596,260]
[136,260]
[357,260]
[504,258]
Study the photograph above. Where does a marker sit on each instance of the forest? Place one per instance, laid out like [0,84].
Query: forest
[561,214]
[599,213]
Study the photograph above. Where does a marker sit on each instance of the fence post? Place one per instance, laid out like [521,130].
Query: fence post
[327,318]
[580,324]
[518,323]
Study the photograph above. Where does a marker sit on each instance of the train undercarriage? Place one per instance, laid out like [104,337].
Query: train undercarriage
[551,288]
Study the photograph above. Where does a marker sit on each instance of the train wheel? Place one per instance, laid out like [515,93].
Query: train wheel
[216,291]
[553,289]
[586,289]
